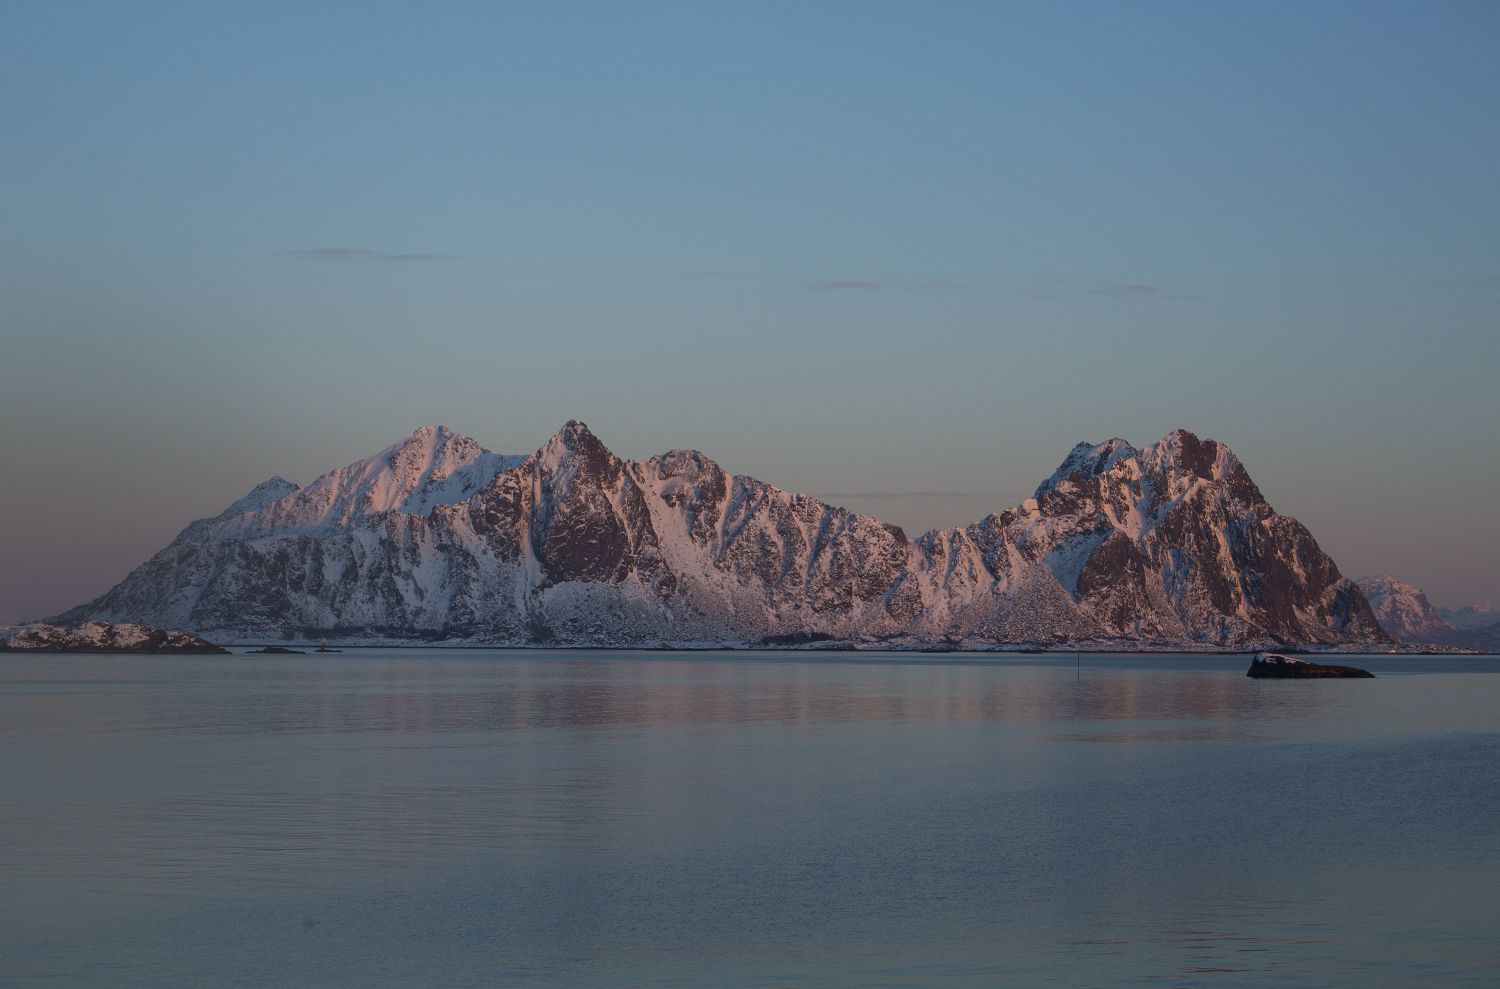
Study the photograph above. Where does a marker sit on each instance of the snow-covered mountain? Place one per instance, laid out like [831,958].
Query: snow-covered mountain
[1405,612]
[1470,617]
[1478,626]
[103,637]
[436,538]
[1408,616]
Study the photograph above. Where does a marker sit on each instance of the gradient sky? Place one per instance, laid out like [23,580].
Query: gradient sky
[854,249]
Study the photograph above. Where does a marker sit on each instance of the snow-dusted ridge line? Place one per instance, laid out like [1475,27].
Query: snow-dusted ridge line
[103,637]
[1405,612]
[437,539]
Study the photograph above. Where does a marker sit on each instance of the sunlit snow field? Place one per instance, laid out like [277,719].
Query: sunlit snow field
[478,818]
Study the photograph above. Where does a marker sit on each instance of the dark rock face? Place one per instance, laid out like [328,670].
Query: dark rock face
[575,531]
[572,545]
[1113,585]
[1273,667]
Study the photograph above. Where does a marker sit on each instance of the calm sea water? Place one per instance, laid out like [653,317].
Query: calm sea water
[435,818]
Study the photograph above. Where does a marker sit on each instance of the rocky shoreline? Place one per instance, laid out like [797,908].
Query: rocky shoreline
[107,637]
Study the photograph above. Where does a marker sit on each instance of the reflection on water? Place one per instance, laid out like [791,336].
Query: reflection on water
[431,818]
[403,696]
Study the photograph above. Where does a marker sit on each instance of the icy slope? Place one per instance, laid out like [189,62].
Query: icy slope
[436,538]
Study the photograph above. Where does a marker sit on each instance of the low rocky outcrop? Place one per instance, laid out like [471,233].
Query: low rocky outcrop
[106,637]
[1273,666]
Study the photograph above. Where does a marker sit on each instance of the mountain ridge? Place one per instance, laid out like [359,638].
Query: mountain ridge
[437,539]
[1405,612]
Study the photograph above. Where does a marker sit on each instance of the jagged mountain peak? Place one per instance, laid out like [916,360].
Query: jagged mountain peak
[1169,544]
[1177,460]
[1182,450]
[433,438]
[576,436]
[684,463]
[1385,582]
[575,443]
[1089,459]
[432,465]
[267,492]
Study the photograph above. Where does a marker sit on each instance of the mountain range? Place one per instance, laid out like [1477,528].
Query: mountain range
[1405,613]
[436,539]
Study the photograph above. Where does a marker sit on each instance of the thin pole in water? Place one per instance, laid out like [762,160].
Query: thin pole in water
[1077,665]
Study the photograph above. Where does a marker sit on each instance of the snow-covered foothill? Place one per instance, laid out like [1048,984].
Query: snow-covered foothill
[105,637]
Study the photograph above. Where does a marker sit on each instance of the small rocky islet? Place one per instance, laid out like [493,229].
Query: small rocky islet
[1274,666]
[109,637]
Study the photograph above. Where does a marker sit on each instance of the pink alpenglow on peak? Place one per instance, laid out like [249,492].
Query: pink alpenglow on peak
[437,539]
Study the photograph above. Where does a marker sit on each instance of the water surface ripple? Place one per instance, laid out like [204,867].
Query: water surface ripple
[390,818]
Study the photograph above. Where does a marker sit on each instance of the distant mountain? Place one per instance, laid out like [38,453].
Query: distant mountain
[1479,625]
[437,539]
[1408,616]
[1470,617]
[1405,612]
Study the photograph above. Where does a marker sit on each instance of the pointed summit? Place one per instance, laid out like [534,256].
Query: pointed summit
[432,465]
[430,438]
[576,435]
[575,441]
[1089,459]
[1182,450]
[435,538]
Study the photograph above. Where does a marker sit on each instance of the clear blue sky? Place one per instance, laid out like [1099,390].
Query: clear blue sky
[860,249]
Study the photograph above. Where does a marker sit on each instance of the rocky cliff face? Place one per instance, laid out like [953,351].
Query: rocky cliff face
[1173,543]
[435,538]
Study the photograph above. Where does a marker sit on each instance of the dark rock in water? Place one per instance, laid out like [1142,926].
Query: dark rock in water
[326,649]
[276,651]
[795,639]
[1272,666]
[105,637]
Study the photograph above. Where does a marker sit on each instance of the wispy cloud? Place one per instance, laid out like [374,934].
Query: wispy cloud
[1065,287]
[840,284]
[1128,290]
[864,284]
[1143,291]
[418,257]
[346,254]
